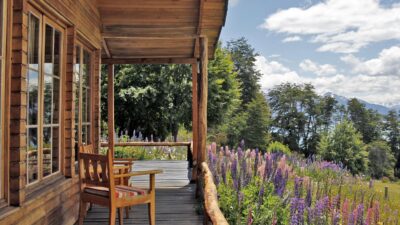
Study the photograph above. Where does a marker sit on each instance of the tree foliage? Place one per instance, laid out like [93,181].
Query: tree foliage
[244,58]
[299,115]
[344,145]
[366,121]
[381,160]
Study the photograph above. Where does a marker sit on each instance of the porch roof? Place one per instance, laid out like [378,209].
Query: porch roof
[163,30]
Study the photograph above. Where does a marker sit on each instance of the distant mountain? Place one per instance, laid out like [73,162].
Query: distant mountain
[380,108]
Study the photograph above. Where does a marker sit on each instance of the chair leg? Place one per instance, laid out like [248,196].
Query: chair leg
[113,215]
[82,211]
[152,212]
[121,216]
[127,212]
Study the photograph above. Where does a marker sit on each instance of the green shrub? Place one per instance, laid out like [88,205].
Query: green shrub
[279,147]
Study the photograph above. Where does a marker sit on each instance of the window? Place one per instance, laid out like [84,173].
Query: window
[2,51]
[82,82]
[43,98]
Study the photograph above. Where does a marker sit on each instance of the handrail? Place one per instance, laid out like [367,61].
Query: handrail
[211,198]
[146,144]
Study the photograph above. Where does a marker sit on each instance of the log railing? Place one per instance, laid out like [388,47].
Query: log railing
[213,213]
[187,144]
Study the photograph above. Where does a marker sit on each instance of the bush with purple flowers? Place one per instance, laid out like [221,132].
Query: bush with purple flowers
[273,188]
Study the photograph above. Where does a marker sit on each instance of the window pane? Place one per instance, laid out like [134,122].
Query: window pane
[47,99]
[88,105]
[48,50]
[33,42]
[84,134]
[56,100]
[86,68]
[1,27]
[47,151]
[32,97]
[78,62]
[88,135]
[32,155]
[55,150]
[84,107]
[57,52]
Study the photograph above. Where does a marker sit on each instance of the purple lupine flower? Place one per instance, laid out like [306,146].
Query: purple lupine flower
[256,163]
[336,217]
[298,186]
[278,182]
[371,184]
[223,172]
[320,208]
[261,195]
[360,215]
[234,169]
[309,195]
[351,218]
[240,154]
[242,144]
[310,215]
[297,207]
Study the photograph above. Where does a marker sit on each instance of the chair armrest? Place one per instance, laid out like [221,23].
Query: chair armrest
[138,173]
[123,159]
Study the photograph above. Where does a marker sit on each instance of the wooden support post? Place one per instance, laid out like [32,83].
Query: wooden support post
[203,97]
[110,98]
[195,119]
[386,193]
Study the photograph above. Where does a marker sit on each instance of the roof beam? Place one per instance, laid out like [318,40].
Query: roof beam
[148,60]
[105,48]
[196,48]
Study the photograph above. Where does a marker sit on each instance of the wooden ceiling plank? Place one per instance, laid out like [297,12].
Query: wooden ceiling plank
[149,60]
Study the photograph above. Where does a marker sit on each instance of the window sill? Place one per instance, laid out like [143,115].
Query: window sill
[36,189]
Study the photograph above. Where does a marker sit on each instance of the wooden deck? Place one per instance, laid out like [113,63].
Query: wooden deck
[175,202]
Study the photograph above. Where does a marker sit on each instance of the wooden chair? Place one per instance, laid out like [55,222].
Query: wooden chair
[97,182]
[121,165]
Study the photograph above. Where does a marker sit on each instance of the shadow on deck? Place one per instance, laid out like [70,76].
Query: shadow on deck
[175,202]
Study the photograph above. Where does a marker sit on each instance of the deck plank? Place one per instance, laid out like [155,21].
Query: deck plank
[175,202]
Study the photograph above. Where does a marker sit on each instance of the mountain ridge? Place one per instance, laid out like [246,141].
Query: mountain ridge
[384,110]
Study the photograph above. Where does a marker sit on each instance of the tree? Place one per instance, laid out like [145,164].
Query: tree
[391,129]
[299,115]
[224,88]
[244,58]
[256,133]
[344,145]
[367,122]
[152,99]
[381,160]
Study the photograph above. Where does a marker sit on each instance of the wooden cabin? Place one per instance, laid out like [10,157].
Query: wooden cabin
[50,57]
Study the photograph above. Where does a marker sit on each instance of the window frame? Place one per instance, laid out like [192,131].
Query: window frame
[3,40]
[43,22]
[78,131]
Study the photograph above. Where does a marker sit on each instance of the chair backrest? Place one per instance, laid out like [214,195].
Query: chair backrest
[86,149]
[95,170]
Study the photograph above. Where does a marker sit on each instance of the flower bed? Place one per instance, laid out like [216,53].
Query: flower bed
[274,188]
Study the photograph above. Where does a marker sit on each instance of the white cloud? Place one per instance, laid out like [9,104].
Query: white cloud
[386,64]
[340,26]
[320,70]
[375,89]
[274,73]
[292,39]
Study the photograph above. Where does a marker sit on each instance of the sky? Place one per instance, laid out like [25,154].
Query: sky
[348,47]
